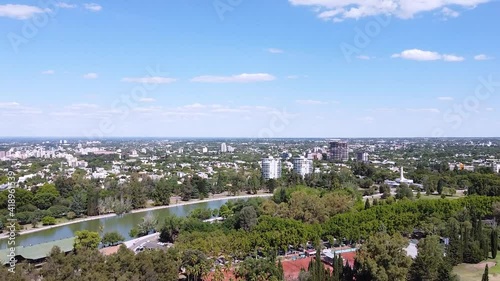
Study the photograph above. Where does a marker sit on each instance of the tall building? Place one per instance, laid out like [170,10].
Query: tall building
[362,157]
[223,147]
[302,166]
[496,167]
[338,151]
[2,154]
[271,168]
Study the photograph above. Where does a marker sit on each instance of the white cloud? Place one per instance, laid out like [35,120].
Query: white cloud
[275,51]
[449,13]
[8,105]
[362,57]
[20,12]
[147,100]
[416,54]
[48,72]
[311,102]
[490,109]
[149,109]
[385,110]
[367,119]
[241,78]
[482,57]
[82,106]
[65,5]
[90,76]
[193,106]
[445,98]
[92,7]
[452,58]
[149,80]
[338,10]
[229,110]
[16,109]
[421,55]
[423,110]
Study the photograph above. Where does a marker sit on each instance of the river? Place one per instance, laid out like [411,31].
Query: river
[121,224]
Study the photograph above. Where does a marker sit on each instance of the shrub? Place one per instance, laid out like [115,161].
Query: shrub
[70,215]
[48,220]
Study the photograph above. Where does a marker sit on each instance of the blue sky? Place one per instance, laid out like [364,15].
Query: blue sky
[241,68]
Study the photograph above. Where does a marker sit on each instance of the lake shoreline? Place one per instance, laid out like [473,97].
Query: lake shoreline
[190,202]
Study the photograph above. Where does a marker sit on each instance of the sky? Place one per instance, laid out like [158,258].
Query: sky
[250,68]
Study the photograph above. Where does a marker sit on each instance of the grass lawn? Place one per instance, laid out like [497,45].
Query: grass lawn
[474,272]
[434,197]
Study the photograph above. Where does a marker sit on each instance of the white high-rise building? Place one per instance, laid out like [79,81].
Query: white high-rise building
[496,168]
[362,156]
[302,166]
[271,168]
[223,147]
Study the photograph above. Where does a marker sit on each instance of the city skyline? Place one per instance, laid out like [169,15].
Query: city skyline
[297,68]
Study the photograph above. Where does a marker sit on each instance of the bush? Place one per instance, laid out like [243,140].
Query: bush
[27,208]
[24,217]
[48,221]
[71,215]
[58,211]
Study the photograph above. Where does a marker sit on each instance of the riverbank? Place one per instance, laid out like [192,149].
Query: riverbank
[176,204]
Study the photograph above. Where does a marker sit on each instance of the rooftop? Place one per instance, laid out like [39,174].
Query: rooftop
[39,251]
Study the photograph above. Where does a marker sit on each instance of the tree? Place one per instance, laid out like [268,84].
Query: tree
[494,243]
[404,192]
[271,185]
[64,186]
[440,186]
[382,258]
[196,264]
[485,274]
[248,218]
[429,264]
[201,186]
[79,203]
[161,193]
[225,212]
[187,190]
[112,238]
[86,240]
[260,269]
[147,225]
[171,228]
[48,221]
[496,210]
[138,193]
[367,204]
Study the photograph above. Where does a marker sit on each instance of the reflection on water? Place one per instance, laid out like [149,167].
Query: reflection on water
[121,224]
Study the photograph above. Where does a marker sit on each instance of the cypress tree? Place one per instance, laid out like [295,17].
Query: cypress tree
[367,204]
[281,274]
[494,243]
[485,274]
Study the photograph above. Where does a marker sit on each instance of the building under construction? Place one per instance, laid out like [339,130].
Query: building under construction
[338,151]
